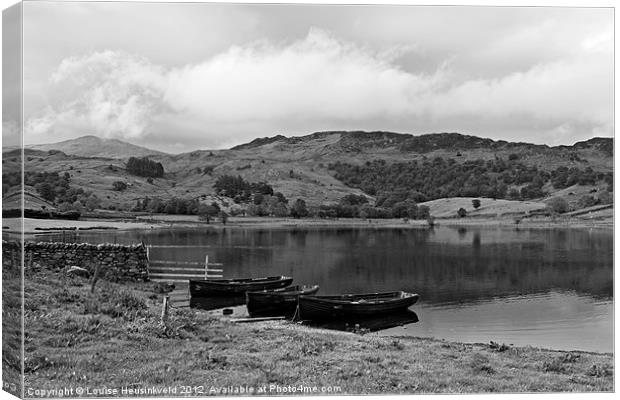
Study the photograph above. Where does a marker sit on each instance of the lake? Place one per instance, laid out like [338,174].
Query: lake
[549,288]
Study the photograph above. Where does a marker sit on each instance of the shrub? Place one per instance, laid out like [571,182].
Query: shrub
[475,203]
[119,186]
[558,205]
[461,212]
[299,209]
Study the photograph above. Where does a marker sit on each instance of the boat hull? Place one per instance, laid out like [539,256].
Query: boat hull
[354,305]
[235,287]
[279,302]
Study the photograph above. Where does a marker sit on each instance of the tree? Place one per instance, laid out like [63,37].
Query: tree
[46,191]
[206,212]
[92,202]
[144,167]
[279,210]
[424,212]
[224,217]
[299,209]
[513,194]
[462,213]
[475,203]
[558,205]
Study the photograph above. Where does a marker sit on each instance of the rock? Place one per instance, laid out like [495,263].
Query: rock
[163,287]
[74,270]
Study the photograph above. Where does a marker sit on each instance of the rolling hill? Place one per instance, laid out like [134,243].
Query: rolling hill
[93,146]
[299,167]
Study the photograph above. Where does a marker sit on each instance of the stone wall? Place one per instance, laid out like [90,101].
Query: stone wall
[117,262]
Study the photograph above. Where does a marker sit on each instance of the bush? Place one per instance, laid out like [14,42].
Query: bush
[462,213]
[119,186]
[299,209]
[558,205]
[475,203]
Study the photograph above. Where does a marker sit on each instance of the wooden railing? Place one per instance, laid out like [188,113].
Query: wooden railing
[181,271]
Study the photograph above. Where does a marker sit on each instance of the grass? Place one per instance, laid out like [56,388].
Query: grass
[11,327]
[113,338]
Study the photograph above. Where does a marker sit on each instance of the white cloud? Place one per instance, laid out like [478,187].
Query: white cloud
[111,93]
[322,82]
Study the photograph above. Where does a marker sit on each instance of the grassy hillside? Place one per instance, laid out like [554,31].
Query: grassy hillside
[446,208]
[297,166]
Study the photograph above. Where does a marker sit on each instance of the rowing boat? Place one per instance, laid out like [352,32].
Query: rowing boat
[354,305]
[276,302]
[237,286]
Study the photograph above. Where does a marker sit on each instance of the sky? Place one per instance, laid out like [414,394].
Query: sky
[183,76]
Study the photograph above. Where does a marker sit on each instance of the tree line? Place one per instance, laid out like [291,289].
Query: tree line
[421,181]
[55,188]
[145,167]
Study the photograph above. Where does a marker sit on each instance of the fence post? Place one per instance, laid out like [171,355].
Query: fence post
[206,267]
[164,311]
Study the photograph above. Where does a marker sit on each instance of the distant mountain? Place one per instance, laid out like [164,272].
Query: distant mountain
[93,146]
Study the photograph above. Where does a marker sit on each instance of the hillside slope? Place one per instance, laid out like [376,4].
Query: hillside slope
[93,146]
[299,167]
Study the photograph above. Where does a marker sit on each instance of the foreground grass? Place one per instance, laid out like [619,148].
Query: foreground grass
[112,338]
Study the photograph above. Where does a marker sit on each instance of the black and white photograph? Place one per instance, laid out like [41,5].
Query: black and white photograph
[307,199]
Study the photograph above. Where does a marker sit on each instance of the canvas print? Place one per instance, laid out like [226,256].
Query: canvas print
[227,199]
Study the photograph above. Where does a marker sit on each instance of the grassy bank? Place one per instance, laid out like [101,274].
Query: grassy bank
[113,338]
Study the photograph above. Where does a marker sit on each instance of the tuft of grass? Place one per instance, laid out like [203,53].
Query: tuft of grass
[600,371]
[498,347]
[555,365]
[480,364]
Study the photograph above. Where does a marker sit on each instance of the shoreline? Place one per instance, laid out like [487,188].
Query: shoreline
[47,226]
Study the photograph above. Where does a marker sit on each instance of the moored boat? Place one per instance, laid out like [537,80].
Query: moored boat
[276,302]
[354,305]
[237,286]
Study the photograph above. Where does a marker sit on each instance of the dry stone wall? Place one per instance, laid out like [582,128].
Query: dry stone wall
[117,262]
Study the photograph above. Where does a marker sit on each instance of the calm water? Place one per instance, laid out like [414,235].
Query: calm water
[548,288]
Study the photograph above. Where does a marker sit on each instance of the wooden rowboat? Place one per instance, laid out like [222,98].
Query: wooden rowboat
[354,305]
[234,287]
[276,302]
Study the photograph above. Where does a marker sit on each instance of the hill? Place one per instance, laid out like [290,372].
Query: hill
[321,167]
[93,146]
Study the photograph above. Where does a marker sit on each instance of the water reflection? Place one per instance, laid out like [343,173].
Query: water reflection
[453,268]
[370,324]
[214,303]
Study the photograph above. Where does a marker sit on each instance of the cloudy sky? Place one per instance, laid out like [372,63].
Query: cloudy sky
[177,77]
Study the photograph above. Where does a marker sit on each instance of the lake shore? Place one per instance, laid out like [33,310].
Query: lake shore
[113,338]
[37,226]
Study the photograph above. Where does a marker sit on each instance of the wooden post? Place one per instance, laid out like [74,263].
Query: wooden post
[206,267]
[95,278]
[164,311]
